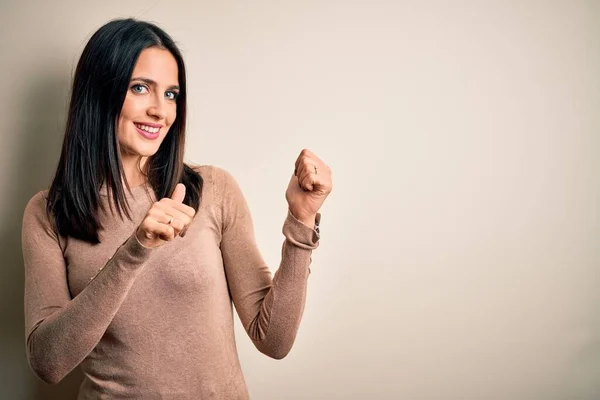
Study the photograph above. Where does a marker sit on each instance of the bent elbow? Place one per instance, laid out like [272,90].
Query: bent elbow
[42,367]
[277,351]
[45,373]
[279,355]
[274,343]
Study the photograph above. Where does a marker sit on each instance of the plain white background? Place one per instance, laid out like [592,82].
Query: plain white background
[459,256]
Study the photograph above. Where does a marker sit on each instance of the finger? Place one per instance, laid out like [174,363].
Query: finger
[184,230]
[179,193]
[168,235]
[305,161]
[177,224]
[307,179]
[306,156]
[300,165]
[154,229]
[166,211]
[309,167]
[301,171]
[184,208]
[181,221]
[305,153]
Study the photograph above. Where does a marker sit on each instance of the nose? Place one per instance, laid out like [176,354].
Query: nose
[157,108]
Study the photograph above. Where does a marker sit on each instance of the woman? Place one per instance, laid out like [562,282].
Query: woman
[133,258]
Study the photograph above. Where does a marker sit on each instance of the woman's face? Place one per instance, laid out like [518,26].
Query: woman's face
[150,106]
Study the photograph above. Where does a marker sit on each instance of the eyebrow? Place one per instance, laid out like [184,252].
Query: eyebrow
[151,82]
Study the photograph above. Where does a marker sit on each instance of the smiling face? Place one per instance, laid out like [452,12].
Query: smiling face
[150,107]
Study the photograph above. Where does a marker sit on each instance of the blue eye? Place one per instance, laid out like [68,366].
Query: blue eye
[138,89]
[171,95]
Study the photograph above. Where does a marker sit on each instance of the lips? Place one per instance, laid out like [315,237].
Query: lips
[148,130]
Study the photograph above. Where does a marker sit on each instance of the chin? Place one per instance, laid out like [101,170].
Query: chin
[148,151]
[143,149]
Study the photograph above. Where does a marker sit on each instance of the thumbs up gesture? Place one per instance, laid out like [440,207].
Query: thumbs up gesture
[166,219]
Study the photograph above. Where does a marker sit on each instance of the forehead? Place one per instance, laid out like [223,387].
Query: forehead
[157,64]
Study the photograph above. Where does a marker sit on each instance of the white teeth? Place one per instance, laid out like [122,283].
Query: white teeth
[148,129]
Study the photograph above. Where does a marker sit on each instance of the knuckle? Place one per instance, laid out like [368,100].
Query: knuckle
[154,211]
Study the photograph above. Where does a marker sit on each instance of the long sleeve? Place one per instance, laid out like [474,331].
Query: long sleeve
[270,307]
[60,331]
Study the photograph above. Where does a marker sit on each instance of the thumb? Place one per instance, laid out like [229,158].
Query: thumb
[179,193]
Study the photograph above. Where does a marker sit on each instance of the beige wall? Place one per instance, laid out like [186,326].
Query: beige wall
[460,255]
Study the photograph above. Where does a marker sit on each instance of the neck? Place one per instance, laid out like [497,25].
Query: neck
[133,166]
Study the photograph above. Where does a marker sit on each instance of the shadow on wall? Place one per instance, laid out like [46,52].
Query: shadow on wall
[41,129]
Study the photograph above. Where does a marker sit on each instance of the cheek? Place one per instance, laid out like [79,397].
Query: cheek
[130,108]
[171,115]
[128,112]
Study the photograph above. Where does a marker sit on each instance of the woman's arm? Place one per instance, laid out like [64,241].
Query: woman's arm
[60,331]
[270,308]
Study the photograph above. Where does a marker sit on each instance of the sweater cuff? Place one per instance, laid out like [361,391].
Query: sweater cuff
[299,234]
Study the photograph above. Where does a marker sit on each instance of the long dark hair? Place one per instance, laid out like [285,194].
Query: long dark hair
[90,155]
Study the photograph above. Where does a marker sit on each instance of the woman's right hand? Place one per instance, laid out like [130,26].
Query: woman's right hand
[166,219]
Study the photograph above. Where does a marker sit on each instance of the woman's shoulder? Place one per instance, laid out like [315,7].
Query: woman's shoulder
[35,213]
[213,175]
[37,203]
[223,186]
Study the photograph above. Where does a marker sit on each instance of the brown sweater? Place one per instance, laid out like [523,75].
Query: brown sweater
[158,323]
